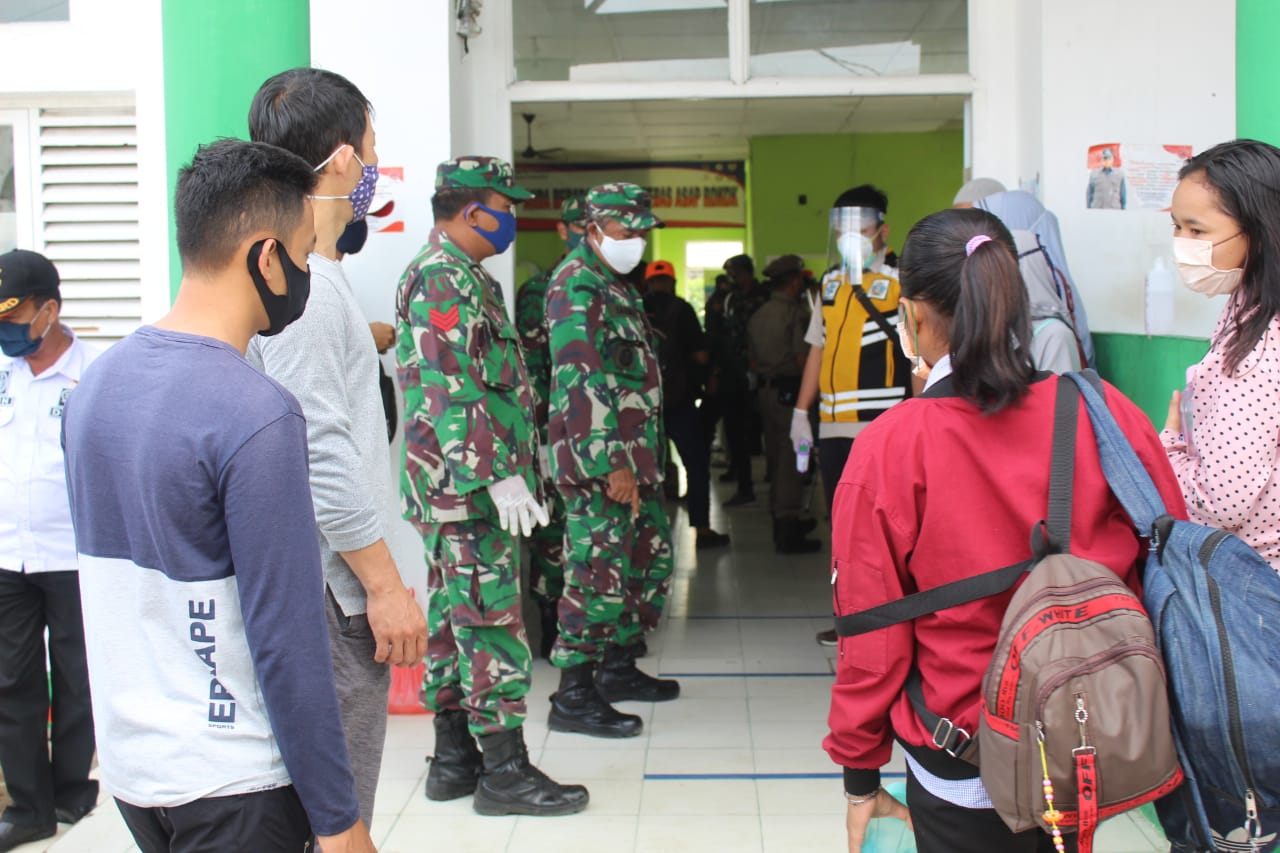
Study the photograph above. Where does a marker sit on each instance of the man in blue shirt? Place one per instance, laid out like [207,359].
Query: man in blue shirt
[213,687]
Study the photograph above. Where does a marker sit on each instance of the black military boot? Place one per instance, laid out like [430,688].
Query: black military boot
[455,768]
[549,619]
[578,707]
[511,785]
[620,680]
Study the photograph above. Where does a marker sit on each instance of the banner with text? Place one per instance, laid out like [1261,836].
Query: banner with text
[685,194]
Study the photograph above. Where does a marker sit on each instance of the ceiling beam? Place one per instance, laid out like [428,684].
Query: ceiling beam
[540,91]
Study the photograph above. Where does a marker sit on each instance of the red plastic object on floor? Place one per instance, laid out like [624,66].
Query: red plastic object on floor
[406,681]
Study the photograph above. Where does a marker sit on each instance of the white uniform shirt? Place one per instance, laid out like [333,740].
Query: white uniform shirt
[35,518]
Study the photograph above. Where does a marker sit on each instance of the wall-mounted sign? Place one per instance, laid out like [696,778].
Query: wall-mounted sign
[1133,176]
[685,194]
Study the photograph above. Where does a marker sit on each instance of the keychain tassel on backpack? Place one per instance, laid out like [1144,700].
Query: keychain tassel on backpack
[1051,814]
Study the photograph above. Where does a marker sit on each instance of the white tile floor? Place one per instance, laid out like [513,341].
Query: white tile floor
[734,765]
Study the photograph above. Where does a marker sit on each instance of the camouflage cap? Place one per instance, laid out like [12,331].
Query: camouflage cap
[625,203]
[476,172]
[572,212]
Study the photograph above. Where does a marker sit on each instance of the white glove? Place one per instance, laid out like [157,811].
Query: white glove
[517,509]
[801,431]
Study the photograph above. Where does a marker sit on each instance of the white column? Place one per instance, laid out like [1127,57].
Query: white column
[402,67]
[481,106]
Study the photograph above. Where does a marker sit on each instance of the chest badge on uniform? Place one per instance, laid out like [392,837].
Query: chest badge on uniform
[830,285]
[879,289]
[4,381]
[445,321]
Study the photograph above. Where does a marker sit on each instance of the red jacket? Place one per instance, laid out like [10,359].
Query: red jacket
[935,491]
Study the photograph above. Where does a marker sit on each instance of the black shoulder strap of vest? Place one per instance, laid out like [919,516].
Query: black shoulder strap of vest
[875,314]
[1053,536]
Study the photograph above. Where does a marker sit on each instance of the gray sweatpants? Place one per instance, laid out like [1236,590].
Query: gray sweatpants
[362,697]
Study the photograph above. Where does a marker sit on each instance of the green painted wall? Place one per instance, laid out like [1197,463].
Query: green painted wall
[216,55]
[920,172]
[1257,70]
[667,244]
[1147,369]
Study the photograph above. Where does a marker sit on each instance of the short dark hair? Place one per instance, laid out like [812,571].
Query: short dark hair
[448,203]
[310,112]
[864,195]
[229,190]
[980,296]
[740,262]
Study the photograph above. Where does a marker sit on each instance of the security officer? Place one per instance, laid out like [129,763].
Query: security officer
[778,353]
[470,485]
[607,451]
[855,369]
[546,545]
[39,585]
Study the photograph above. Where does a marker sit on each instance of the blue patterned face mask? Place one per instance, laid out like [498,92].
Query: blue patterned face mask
[362,196]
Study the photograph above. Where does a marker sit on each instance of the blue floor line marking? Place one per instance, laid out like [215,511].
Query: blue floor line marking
[716,777]
[746,675]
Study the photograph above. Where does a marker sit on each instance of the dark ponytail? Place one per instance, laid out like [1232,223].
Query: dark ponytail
[975,286]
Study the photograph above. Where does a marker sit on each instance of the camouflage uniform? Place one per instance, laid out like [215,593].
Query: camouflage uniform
[467,425]
[605,415]
[546,545]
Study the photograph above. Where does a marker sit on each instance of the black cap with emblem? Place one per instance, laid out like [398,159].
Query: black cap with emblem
[24,274]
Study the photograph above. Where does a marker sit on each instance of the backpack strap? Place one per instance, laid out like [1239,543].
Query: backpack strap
[1047,537]
[1125,473]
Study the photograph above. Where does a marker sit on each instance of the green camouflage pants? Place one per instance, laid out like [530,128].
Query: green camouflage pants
[546,551]
[617,572]
[477,653]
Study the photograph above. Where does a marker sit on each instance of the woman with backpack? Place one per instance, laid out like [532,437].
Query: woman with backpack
[1223,430]
[946,486]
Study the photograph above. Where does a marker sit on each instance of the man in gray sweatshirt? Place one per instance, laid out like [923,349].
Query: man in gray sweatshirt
[328,362]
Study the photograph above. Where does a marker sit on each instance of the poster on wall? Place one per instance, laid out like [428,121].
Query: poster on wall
[1133,176]
[685,194]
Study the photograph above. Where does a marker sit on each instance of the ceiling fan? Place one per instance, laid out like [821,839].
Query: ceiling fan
[531,153]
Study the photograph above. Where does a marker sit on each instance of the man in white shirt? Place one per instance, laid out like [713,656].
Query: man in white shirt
[39,587]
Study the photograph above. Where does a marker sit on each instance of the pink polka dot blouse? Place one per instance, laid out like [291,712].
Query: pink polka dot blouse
[1228,468]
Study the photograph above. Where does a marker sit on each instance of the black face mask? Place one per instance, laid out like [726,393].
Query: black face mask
[281,310]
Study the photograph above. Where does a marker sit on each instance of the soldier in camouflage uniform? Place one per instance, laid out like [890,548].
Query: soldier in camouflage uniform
[607,451]
[546,545]
[469,481]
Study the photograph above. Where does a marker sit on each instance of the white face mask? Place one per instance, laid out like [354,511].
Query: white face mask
[906,340]
[621,255]
[1195,265]
[853,244]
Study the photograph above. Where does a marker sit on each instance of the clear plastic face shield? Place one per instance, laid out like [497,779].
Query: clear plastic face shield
[850,243]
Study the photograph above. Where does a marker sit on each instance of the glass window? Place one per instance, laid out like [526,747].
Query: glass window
[8,194]
[613,40]
[29,11]
[826,38]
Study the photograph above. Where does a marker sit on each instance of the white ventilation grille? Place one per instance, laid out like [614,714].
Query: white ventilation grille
[87,215]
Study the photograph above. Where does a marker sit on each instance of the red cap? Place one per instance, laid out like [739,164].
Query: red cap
[659,268]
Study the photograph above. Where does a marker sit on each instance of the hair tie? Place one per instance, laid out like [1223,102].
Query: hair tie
[974,243]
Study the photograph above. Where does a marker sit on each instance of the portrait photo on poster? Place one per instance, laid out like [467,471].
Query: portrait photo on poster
[1133,176]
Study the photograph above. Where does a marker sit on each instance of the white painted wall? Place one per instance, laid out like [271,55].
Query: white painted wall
[105,52]
[403,69]
[1149,71]
[481,107]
